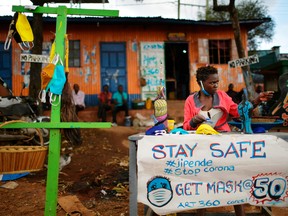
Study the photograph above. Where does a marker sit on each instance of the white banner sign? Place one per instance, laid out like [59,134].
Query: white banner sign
[244,61]
[34,58]
[186,172]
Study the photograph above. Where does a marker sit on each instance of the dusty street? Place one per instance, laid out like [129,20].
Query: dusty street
[97,175]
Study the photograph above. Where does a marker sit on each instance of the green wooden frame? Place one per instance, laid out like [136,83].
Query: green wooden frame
[55,125]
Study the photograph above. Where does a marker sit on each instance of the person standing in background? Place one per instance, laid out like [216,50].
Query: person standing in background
[233,94]
[105,98]
[119,99]
[78,98]
[259,111]
[258,90]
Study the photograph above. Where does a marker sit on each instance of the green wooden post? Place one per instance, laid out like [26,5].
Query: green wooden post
[55,136]
[55,125]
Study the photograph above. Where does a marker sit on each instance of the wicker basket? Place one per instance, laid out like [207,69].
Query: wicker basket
[18,159]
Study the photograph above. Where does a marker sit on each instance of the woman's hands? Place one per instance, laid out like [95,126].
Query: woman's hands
[198,119]
[263,96]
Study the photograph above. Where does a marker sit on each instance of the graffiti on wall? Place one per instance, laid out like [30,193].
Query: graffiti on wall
[152,68]
[90,64]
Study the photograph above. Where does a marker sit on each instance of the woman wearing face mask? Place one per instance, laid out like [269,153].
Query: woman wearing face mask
[210,105]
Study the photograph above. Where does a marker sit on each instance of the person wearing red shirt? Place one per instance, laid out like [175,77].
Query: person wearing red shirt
[104,103]
[214,107]
[211,105]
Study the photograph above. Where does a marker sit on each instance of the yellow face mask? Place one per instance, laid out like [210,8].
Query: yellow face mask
[24,29]
[21,31]
[206,129]
[47,74]
[48,71]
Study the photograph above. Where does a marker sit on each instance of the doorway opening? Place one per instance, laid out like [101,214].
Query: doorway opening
[177,70]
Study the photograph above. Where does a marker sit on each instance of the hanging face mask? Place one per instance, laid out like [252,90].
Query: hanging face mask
[21,31]
[46,76]
[57,83]
[203,89]
[48,72]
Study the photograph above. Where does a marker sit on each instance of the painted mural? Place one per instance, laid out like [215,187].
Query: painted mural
[152,68]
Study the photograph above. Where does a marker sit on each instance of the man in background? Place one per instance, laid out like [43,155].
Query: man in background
[233,94]
[79,98]
[119,99]
[105,98]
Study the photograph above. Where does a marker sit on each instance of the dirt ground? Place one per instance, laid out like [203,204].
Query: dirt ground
[97,175]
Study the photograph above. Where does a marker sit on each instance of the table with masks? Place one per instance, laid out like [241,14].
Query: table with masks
[184,170]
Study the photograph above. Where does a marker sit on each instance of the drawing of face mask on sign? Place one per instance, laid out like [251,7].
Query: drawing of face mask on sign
[159,191]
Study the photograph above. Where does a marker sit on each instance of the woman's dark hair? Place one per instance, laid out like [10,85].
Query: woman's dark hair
[203,73]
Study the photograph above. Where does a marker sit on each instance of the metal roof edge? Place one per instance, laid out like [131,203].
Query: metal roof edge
[141,20]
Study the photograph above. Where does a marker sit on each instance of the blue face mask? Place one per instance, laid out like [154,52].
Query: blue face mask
[58,80]
[203,89]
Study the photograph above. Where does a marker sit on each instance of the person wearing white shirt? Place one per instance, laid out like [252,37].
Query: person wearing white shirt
[78,98]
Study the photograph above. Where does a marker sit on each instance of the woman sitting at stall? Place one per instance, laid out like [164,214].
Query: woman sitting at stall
[214,107]
[210,105]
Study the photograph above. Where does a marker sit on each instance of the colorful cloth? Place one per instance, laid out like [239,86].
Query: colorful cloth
[160,107]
